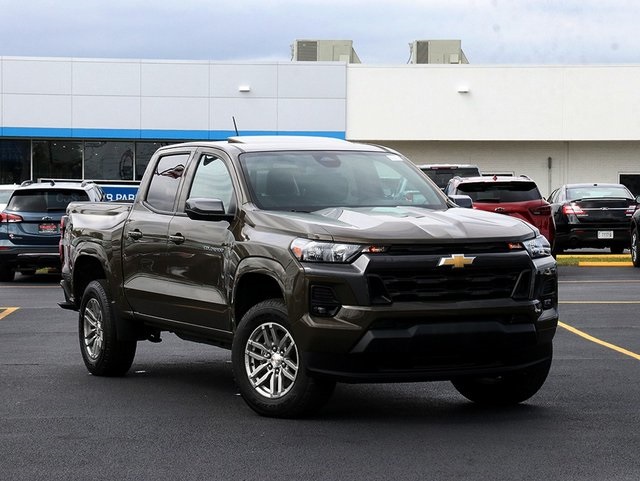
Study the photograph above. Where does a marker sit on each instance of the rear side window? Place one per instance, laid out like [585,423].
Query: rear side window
[4,196]
[500,192]
[49,200]
[163,189]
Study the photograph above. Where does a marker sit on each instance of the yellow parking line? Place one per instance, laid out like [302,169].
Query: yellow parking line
[598,341]
[5,311]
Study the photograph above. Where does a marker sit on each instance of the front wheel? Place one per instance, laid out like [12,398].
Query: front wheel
[508,389]
[103,353]
[269,368]
[635,247]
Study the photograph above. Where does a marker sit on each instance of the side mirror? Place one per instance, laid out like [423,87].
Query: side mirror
[462,200]
[199,208]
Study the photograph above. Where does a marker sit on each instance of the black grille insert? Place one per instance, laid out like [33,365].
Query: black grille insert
[416,278]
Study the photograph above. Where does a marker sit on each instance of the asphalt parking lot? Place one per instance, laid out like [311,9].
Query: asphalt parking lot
[178,414]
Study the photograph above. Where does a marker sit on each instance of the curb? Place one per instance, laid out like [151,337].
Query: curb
[595,260]
[605,264]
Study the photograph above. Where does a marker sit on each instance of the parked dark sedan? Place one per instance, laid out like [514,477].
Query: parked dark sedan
[592,215]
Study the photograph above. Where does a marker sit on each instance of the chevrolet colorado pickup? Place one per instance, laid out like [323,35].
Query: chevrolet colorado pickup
[315,261]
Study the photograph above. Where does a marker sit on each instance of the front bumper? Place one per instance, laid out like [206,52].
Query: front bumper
[436,343]
[434,339]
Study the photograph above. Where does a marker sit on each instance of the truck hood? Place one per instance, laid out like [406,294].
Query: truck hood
[394,225]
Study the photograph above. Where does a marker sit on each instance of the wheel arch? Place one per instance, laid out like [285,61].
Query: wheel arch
[257,280]
[89,268]
[86,269]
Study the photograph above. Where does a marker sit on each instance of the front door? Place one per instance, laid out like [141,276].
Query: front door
[199,258]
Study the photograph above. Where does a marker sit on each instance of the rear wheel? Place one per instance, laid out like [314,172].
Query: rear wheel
[269,368]
[103,353]
[508,389]
[7,274]
[635,247]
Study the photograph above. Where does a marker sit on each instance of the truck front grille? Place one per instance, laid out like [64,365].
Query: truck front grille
[424,281]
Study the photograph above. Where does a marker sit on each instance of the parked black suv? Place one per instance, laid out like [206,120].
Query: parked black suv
[441,174]
[315,261]
[30,224]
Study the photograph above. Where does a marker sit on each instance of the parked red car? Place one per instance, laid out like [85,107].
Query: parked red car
[509,195]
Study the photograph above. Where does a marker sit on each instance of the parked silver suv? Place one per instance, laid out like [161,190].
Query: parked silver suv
[30,224]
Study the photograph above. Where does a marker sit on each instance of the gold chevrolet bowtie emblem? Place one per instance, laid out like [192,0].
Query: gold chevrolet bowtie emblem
[456,260]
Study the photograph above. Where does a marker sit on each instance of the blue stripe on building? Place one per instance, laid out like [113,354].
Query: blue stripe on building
[149,134]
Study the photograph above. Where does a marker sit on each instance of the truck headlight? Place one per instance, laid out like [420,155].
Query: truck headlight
[538,247]
[315,251]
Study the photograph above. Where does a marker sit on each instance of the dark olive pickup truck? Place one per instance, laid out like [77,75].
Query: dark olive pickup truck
[316,261]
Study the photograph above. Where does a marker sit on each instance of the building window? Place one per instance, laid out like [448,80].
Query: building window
[57,159]
[108,160]
[631,182]
[15,161]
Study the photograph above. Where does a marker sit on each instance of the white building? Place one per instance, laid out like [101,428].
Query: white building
[102,118]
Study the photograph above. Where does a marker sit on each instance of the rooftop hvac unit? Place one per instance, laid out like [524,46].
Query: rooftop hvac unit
[324,51]
[437,51]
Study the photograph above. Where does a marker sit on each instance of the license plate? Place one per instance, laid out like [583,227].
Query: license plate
[48,228]
[605,234]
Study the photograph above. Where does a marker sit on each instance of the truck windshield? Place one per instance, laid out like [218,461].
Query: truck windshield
[313,180]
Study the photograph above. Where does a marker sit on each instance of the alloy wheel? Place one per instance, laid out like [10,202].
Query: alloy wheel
[271,360]
[92,328]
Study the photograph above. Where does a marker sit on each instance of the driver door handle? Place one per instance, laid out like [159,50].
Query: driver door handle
[134,234]
[177,238]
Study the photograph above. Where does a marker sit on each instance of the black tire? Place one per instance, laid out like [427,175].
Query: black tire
[556,249]
[103,353]
[7,274]
[270,370]
[617,249]
[506,390]
[635,247]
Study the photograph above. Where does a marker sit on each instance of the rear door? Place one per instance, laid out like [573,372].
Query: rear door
[145,237]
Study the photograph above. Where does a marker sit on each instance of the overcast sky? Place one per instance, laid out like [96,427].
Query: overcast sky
[537,32]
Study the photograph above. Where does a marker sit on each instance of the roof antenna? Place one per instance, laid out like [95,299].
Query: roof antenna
[234,125]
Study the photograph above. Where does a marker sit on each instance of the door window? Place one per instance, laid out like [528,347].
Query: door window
[165,181]
[213,181]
